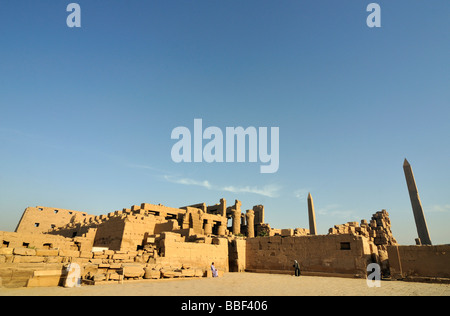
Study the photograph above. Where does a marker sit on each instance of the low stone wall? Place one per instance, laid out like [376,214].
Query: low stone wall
[200,253]
[323,254]
[419,262]
[172,258]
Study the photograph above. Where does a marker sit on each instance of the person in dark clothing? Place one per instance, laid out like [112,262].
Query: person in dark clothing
[297,268]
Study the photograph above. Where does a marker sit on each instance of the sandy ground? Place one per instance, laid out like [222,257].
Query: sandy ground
[244,284]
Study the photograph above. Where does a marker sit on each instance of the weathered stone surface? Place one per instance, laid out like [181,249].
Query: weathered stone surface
[69,253]
[6,251]
[114,276]
[152,274]
[99,277]
[169,273]
[28,259]
[24,252]
[133,271]
[47,252]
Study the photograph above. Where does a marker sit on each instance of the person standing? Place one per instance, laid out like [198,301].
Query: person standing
[214,271]
[297,268]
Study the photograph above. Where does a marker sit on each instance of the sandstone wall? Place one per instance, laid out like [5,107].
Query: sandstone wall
[237,255]
[30,240]
[419,261]
[334,254]
[41,219]
[20,266]
[195,254]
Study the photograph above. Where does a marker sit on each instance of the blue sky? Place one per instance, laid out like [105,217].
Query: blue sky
[87,113]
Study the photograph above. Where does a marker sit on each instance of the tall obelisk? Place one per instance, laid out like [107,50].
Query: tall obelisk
[312,216]
[419,217]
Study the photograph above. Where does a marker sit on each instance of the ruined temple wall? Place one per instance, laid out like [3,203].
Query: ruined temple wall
[336,254]
[237,255]
[419,261]
[41,219]
[135,229]
[109,233]
[195,254]
[31,240]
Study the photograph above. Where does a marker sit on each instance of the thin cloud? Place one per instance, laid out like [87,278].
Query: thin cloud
[439,208]
[301,194]
[268,190]
[186,181]
[334,210]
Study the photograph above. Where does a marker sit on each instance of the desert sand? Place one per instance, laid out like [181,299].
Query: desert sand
[243,284]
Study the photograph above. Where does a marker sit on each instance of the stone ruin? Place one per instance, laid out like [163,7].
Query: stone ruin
[149,241]
[378,231]
[145,241]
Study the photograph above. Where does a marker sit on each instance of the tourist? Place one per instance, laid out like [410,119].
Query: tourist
[214,271]
[297,268]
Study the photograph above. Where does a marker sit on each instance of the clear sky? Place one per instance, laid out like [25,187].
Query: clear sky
[87,113]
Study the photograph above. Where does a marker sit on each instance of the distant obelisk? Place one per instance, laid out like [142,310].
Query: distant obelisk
[312,216]
[419,217]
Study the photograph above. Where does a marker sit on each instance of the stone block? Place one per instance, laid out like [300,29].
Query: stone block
[99,277]
[69,253]
[45,278]
[100,255]
[86,254]
[115,266]
[152,274]
[287,232]
[55,259]
[133,271]
[187,272]
[24,252]
[47,252]
[169,273]
[109,252]
[6,251]
[28,259]
[120,256]
[114,276]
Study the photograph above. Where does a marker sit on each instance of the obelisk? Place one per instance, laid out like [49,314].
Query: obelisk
[312,216]
[419,217]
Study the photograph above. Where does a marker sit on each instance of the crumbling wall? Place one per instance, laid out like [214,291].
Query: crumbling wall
[167,255]
[378,231]
[200,253]
[41,219]
[322,254]
[237,248]
[416,262]
[31,240]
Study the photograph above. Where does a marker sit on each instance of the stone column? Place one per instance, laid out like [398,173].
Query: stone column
[259,214]
[223,207]
[419,217]
[207,227]
[221,228]
[312,216]
[250,215]
[236,215]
